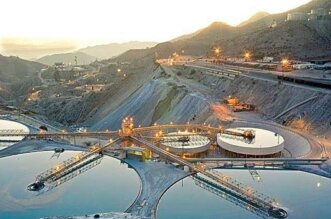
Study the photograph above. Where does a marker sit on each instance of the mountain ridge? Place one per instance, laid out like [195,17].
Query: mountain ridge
[67,58]
[89,54]
[257,16]
[295,39]
[106,51]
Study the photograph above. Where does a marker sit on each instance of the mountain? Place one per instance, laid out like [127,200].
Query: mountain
[254,18]
[113,49]
[13,69]
[67,58]
[186,36]
[294,39]
[201,42]
[17,76]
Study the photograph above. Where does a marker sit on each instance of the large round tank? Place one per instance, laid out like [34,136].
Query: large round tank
[185,143]
[264,142]
[6,127]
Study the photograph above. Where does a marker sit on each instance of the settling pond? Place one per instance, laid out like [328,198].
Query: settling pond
[109,186]
[303,195]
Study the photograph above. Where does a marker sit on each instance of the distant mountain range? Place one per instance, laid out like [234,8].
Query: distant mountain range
[294,39]
[114,49]
[68,58]
[92,53]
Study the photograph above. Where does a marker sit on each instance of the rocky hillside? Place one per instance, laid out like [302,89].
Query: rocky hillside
[254,18]
[74,102]
[297,40]
[187,95]
[163,99]
[13,69]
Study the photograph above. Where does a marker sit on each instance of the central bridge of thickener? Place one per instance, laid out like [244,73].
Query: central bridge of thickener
[67,169]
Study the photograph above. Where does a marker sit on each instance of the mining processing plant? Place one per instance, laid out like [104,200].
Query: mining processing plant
[183,144]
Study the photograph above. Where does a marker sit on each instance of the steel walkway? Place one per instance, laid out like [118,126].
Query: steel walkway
[228,195]
[259,162]
[73,164]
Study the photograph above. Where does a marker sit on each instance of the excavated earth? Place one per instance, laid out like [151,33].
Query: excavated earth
[181,94]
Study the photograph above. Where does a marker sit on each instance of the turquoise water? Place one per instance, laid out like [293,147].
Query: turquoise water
[303,196]
[109,186]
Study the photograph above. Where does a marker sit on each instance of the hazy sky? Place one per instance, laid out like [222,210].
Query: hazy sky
[86,22]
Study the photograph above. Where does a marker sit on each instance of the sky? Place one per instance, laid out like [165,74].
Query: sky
[64,25]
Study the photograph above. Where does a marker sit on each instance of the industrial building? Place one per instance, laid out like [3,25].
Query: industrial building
[135,152]
[297,16]
[318,14]
[315,14]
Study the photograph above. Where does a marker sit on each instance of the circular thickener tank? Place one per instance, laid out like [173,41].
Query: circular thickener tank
[185,143]
[264,143]
[11,127]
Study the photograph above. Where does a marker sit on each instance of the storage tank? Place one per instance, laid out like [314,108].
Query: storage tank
[318,14]
[296,16]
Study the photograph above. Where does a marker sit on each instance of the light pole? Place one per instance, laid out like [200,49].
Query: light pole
[247,56]
[285,64]
[217,52]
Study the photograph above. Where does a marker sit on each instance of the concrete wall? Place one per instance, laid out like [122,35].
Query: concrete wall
[190,150]
[250,151]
